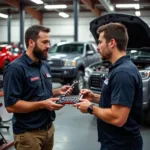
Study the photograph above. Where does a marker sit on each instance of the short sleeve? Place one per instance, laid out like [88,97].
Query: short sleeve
[122,89]
[13,83]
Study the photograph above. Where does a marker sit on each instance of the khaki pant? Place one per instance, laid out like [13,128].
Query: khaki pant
[35,140]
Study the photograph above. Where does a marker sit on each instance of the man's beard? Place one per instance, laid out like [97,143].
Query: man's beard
[106,56]
[102,57]
[38,53]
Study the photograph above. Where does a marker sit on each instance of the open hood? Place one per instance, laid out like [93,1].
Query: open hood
[138,30]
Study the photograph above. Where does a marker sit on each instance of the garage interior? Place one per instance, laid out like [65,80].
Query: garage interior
[73,130]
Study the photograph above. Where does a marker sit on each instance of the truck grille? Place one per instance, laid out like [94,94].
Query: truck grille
[96,81]
[56,63]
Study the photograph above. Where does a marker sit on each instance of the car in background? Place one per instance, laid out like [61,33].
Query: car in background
[8,53]
[138,49]
[68,61]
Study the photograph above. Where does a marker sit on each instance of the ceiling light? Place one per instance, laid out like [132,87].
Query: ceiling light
[137,13]
[55,6]
[37,1]
[3,15]
[136,6]
[133,51]
[64,15]
[112,8]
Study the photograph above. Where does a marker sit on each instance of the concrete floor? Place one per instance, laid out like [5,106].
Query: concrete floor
[74,131]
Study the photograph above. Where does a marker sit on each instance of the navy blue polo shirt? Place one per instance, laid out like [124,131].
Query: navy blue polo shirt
[123,86]
[28,81]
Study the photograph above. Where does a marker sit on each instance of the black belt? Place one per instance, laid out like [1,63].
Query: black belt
[45,127]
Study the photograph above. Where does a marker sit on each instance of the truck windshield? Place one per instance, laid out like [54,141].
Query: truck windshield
[67,48]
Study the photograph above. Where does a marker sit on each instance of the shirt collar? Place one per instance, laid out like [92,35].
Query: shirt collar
[119,61]
[30,61]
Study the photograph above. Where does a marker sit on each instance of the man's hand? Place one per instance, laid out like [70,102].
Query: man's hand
[50,104]
[64,88]
[87,94]
[83,105]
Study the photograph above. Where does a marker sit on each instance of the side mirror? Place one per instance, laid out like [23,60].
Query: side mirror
[89,52]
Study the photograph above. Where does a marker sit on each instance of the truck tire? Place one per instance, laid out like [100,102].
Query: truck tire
[80,84]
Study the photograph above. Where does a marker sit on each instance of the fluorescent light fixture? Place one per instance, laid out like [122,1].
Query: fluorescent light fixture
[133,51]
[55,6]
[64,15]
[112,8]
[137,13]
[136,6]
[3,16]
[37,1]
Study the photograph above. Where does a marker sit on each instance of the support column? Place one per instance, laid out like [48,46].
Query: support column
[9,27]
[22,17]
[76,12]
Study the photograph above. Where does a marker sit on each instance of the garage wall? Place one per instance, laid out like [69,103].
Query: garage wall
[65,27]
[15,28]
[61,29]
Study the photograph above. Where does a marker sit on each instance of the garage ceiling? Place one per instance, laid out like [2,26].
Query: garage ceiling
[97,7]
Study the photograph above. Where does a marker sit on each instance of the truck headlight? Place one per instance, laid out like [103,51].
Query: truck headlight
[88,71]
[70,63]
[145,74]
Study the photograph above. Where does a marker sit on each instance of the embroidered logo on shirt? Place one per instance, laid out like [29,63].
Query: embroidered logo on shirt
[34,79]
[106,81]
[48,75]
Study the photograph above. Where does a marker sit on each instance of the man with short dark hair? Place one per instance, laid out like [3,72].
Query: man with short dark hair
[120,103]
[29,95]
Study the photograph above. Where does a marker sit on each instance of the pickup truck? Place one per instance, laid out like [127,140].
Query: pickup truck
[68,61]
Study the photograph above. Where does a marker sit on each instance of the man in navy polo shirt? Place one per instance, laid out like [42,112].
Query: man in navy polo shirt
[120,103]
[29,95]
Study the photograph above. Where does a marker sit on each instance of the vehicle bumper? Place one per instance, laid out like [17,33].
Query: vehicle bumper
[86,78]
[63,72]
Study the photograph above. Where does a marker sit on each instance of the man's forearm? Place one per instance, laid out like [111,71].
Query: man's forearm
[56,92]
[96,98]
[106,114]
[25,107]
